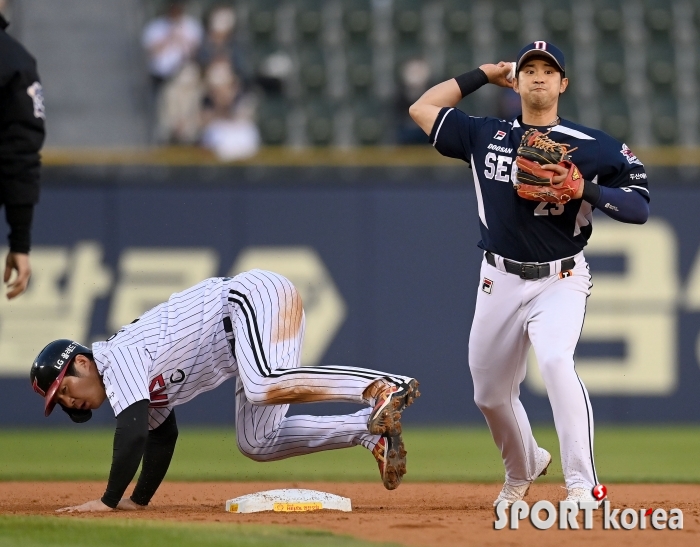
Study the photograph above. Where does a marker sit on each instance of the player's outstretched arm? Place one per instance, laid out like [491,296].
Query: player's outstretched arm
[160,448]
[447,94]
[621,204]
[129,443]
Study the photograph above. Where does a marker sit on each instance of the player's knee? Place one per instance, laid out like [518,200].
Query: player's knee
[491,393]
[257,456]
[490,402]
[258,396]
[553,364]
[255,453]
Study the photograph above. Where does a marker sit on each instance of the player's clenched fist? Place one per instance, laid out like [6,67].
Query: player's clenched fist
[500,74]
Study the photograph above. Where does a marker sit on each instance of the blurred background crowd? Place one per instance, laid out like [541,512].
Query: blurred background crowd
[200,81]
[321,72]
[233,75]
[298,73]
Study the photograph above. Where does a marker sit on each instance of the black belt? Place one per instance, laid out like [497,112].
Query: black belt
[529,270]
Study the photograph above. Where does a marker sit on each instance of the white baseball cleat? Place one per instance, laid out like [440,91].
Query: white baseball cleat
[578,495]
[511,494]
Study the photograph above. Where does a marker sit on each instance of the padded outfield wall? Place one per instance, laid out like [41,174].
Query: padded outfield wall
[387,265]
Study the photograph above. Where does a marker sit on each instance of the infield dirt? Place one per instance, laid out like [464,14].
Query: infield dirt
[417,514]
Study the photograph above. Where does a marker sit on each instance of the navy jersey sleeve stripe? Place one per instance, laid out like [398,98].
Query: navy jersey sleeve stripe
[454,133]
[438,124]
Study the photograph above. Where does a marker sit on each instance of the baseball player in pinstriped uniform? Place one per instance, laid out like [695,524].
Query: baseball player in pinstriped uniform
[250,326]
[534,277]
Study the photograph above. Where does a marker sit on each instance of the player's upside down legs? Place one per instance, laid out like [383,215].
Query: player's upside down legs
[270,378]
[269,435]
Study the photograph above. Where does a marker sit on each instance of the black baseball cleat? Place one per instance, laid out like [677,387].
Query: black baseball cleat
[391,457]
[385,418]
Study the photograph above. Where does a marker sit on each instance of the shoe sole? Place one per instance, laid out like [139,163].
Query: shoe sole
[387,420]
[395,466]
[544,472]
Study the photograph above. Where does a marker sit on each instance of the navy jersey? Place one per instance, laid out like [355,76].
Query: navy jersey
[521,229]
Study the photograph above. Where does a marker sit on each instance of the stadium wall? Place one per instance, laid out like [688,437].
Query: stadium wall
[386,262]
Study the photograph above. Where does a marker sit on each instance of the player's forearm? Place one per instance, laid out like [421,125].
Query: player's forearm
[19,217]
[160,447]
[426,109]
[622,204]
[129,444]
[447,94]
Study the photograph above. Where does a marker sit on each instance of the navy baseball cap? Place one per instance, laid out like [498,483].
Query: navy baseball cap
[541,49]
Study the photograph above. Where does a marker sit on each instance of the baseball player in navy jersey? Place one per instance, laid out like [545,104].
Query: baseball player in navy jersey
[250,326]
[534,276]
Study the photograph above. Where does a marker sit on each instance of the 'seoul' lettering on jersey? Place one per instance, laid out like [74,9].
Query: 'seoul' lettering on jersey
[497,167]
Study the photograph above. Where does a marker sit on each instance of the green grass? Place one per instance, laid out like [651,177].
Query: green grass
[629,454]
[623,454]
[62,532]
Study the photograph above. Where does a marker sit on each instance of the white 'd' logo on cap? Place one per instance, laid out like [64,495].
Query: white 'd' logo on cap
[541,45]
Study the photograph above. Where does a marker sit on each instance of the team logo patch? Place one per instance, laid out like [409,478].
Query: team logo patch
[629,155]
[541,45]
[575,175]
[487,285]
[565,274]
[36,92]
[499,135]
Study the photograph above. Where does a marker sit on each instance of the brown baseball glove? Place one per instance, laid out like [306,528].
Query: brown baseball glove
[534,183]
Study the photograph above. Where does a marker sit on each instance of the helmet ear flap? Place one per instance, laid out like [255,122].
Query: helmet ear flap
[77,415]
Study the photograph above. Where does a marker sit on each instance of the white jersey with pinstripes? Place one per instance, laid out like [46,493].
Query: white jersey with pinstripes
[171,353]
[250,326]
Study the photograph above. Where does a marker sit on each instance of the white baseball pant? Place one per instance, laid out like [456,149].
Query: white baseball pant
[512,314]
[268,331]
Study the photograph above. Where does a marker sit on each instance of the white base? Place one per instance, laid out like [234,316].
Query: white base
[288,500]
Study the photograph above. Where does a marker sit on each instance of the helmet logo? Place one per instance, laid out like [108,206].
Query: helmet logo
[38,389]
[66,355]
